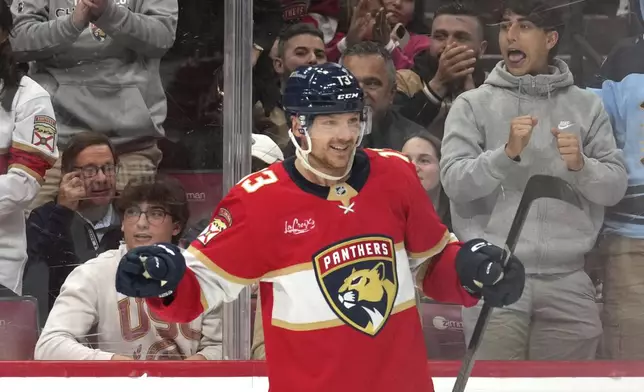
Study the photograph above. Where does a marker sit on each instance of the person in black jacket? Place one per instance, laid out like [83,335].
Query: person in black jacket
[374,68]
[82,222]
[449,67]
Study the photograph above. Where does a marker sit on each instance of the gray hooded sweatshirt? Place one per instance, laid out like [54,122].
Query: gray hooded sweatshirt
[484,185]
[104,78]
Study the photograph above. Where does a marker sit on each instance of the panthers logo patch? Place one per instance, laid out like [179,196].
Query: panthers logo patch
[359,281]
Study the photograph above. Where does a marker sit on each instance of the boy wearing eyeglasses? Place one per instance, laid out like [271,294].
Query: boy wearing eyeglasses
[123,328]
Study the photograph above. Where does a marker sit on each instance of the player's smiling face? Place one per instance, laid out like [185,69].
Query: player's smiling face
[333,138]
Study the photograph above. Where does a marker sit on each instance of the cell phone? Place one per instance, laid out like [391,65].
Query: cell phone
[402,34]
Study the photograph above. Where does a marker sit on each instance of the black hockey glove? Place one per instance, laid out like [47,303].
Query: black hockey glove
[480,269]
[150,271]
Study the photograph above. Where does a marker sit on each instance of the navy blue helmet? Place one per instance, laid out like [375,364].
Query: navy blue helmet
[319,89]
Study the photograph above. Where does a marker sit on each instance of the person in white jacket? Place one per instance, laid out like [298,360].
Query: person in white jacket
[28,149]
[91,321]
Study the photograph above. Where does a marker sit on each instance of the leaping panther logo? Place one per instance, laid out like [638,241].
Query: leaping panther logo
[371,291]
[359,281]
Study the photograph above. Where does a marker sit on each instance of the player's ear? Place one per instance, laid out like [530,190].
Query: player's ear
[296,126]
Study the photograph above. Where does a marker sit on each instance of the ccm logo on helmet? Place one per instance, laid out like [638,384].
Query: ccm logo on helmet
[348,96]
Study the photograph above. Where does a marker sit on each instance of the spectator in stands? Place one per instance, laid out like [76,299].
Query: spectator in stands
[424,150]
[450,66]
[530,118]
[81,222]
[90,311]
[27,149]
[621,245]
[373,66]
[395,24]
[99,60]
[300,44]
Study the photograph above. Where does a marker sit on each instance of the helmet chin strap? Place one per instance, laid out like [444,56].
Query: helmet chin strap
[303,156]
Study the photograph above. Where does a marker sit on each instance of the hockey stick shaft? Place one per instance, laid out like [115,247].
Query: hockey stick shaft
[539,186]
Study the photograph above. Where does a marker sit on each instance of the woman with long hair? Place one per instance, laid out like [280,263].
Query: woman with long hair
[27,149]
[424,150]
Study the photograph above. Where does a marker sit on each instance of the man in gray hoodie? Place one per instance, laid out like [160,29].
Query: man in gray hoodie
[99,61]
[529,118]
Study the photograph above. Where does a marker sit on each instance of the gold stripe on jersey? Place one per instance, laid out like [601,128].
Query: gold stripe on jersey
[333,323]
[204,301]
[217,269]
[307,265]
[28,171]
[424,260]
[436,249]
[33,150]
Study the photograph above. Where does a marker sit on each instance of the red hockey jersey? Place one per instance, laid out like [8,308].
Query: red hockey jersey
[337,268]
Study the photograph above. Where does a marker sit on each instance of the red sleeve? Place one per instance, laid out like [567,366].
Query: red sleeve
[225,246]
[186,305]
[432,247]
[223,259]
[441,282]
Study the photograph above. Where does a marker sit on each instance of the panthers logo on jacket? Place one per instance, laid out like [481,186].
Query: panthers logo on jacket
[359,282]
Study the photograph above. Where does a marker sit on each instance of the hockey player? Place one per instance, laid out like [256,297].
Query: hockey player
[337,237]
[27,149]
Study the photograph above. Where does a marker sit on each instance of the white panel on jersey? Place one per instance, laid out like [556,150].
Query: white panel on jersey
[310,306]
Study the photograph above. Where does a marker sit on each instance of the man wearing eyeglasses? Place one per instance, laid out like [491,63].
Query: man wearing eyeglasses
[81,222]
[124,327]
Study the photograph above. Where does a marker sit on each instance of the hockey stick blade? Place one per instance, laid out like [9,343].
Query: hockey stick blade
[538,187]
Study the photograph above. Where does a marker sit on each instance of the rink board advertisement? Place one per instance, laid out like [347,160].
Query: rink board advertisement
[260,384]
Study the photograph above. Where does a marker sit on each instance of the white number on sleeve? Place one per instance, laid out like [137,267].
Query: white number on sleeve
[391,153]
[252,183]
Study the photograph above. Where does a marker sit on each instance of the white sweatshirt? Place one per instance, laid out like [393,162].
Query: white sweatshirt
[90,313]
[28,140]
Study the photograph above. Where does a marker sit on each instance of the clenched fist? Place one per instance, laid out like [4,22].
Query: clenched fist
[520,133]
[569,148]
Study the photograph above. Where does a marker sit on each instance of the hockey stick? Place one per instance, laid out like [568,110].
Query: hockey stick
[538,187]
